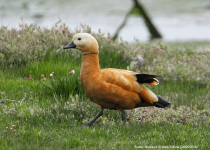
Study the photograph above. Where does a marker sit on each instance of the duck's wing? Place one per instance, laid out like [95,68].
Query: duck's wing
[131,81]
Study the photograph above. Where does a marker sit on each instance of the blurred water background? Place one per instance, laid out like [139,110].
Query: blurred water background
[177,20]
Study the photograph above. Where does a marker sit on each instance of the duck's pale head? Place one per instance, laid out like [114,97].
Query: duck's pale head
[84,42]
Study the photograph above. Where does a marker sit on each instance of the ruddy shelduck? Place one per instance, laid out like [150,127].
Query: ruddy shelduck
[111,88]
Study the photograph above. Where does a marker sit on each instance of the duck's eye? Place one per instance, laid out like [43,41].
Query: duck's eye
[79,38]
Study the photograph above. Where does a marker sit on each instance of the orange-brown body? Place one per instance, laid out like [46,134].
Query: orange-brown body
[113,88]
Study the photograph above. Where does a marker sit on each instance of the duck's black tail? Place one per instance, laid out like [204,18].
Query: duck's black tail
[161,103]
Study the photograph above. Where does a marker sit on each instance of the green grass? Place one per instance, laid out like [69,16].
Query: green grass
[46,109]
[58,135]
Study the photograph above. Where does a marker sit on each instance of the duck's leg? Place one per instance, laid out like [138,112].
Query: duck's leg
[123,117]
[91,121]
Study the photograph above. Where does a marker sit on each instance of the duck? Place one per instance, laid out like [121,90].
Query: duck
[110,88]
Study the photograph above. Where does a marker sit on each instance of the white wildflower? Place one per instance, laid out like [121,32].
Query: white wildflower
[72,72]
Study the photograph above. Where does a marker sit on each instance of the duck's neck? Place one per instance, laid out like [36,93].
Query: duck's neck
[90,66]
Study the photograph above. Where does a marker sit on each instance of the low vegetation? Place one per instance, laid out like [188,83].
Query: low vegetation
[41,97]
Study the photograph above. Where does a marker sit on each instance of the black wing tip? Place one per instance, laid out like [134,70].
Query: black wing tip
[147,78]
[161,103]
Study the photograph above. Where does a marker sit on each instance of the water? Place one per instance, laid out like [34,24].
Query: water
[180,20]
